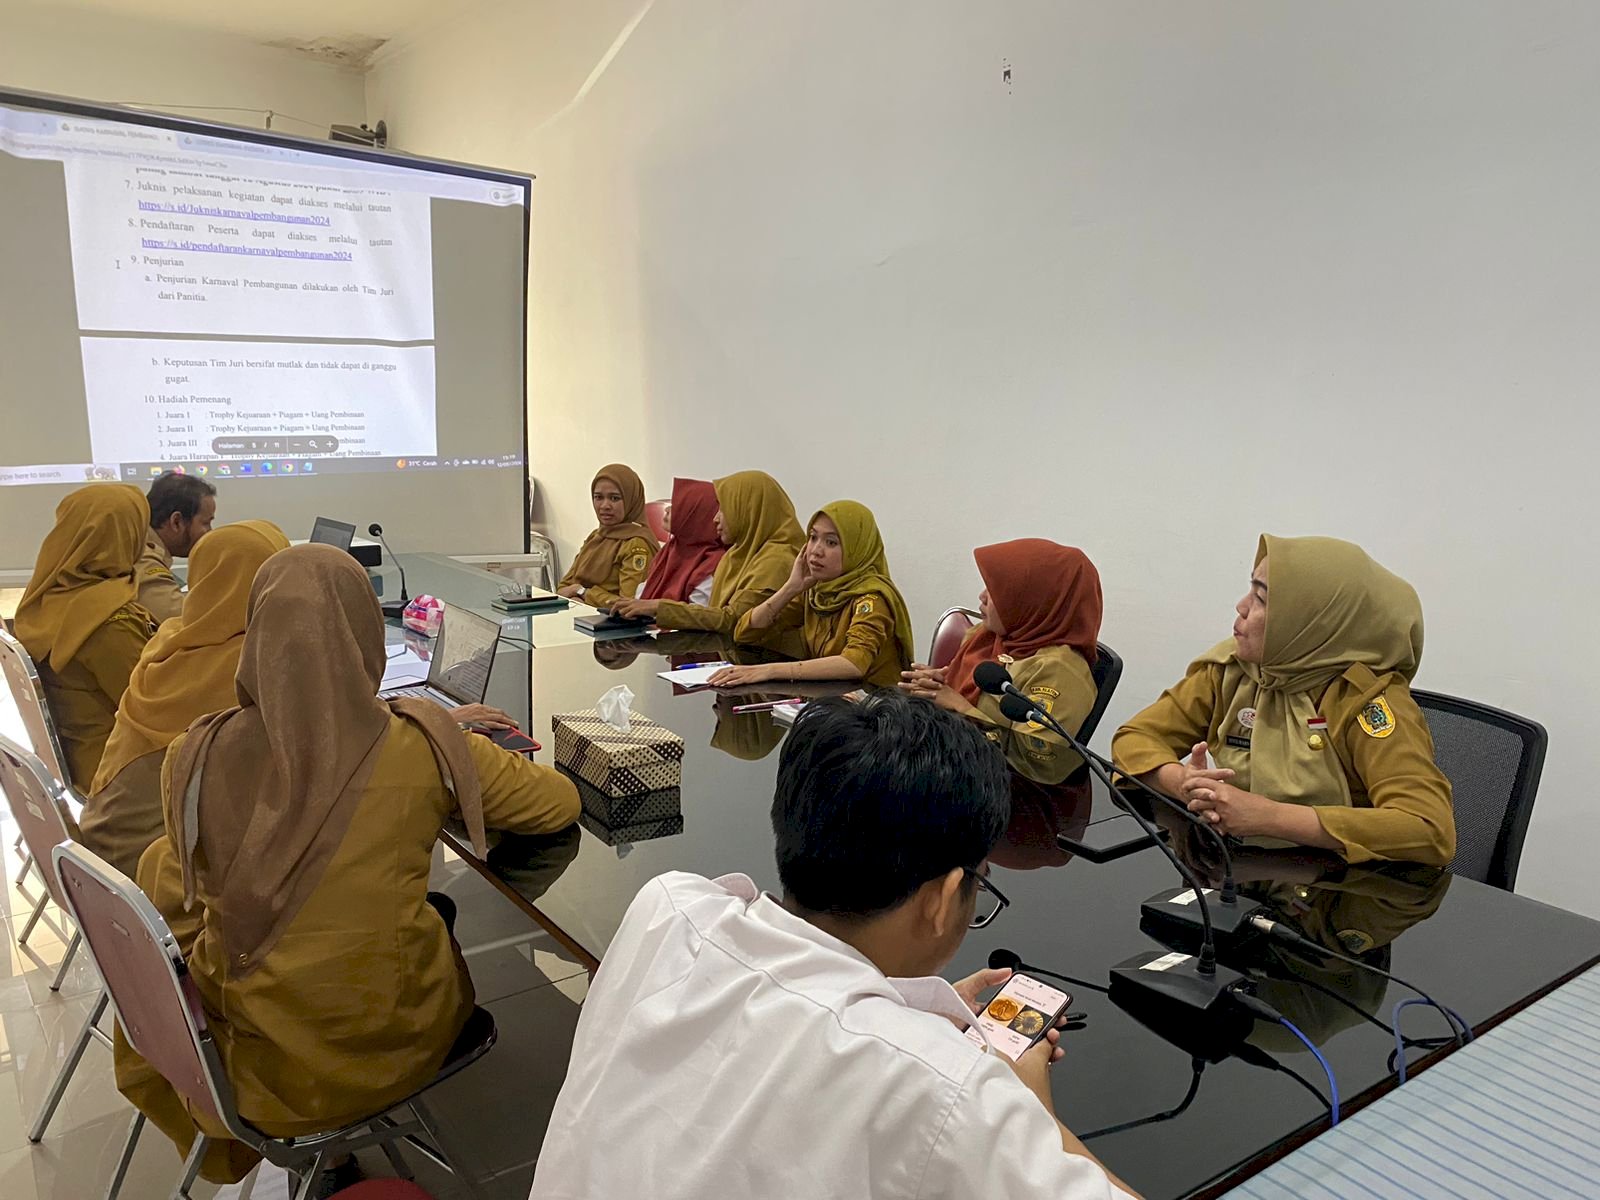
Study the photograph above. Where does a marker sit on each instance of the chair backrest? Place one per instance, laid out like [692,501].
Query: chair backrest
[27,691]
[655,515]
[157,1003]
[1107,670]
[949,633]
[38,802]
[1493,760]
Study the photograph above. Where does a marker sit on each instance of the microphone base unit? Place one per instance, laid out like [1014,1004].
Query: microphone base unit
[1160,981]
[1172,917]
[394,609]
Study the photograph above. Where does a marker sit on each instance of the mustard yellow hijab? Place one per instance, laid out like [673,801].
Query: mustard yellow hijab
[599,550]
[1330,606]
[84,572]
[866,570]
[187,669]
[767,538]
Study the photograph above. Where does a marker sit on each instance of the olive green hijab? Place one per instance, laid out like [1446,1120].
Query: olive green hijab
[765,535]
[1330,607]
[866,570]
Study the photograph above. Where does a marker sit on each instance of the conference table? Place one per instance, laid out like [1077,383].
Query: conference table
[1173,1118]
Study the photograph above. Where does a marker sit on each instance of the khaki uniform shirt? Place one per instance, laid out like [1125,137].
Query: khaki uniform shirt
[1400,805]
[159,590]
[862,631]
[627,575]
[359,1001]
[83,697]
[1058,680]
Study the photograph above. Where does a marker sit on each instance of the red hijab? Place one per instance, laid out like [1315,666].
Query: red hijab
[1046,594]
[694,549]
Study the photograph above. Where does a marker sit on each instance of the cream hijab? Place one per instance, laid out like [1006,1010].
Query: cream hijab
[1330,607]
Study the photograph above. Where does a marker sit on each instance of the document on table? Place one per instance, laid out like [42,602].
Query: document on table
[696,676]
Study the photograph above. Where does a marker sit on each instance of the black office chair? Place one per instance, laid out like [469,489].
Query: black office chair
[1107,670]
[1493,760]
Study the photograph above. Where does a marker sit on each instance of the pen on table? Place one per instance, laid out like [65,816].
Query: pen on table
[766,705]
[701,666]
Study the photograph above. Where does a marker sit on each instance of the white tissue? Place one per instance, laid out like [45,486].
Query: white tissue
[615,707]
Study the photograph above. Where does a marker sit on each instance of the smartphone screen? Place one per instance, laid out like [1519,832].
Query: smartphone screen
[1021,1013]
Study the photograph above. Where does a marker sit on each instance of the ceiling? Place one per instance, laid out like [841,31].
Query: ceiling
[344,32]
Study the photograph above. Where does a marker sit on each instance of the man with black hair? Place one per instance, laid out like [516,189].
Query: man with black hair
[735,1044]
[182,508]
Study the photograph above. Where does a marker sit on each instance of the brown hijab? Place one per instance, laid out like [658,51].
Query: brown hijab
[599,549]
[260,796]
[84,572]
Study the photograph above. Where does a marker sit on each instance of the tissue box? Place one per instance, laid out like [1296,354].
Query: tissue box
[647,758]
[620,812]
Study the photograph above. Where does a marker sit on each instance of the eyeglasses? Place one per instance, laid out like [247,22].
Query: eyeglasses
[990,900]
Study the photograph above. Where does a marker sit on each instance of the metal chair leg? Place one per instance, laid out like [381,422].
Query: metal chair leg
[63,1077]
[27,865]
[128,1148]
[397,1161]
[66,961]
[38,911]
[191,1167]
[308,1181]
[435,1130]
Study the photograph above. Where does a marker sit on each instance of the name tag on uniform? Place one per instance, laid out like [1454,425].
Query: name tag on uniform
[1238,743]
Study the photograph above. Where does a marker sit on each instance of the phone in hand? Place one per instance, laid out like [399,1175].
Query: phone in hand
[1021,1013]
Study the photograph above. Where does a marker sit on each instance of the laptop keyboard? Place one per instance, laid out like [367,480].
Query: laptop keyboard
[412,693]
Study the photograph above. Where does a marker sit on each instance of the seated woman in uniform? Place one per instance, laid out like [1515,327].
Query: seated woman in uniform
[185,672]
[613,561]
[79,619]
[683,571]
[300,827]
[852,620]
[1307,712]
[756,521]
[1041,620]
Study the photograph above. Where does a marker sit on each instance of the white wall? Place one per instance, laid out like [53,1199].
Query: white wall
[1203,269]
[96,56]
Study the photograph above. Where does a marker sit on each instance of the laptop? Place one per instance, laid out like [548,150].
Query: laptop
[328,532]
[458,673]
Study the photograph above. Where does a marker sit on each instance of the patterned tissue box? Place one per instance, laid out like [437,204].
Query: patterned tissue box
[647,758]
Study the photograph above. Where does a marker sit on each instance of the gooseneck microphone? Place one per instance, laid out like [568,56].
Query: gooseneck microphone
[993,678]
[1193,984]
[391,608]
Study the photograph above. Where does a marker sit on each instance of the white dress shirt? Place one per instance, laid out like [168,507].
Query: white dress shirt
[701,594]
[729,1050]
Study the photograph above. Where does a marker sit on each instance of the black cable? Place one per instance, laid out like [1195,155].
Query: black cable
[1199,1065]
[1297,940]
[1373,1018]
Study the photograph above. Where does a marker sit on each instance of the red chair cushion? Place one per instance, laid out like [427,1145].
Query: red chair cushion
[383,1189]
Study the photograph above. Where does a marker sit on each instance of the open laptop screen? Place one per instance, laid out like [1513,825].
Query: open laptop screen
[329,532]
[463,655]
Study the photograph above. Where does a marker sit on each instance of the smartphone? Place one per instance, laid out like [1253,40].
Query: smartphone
[1021,1013]
[513,740]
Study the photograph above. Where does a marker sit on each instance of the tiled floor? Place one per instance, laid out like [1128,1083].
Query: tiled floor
[496,1109]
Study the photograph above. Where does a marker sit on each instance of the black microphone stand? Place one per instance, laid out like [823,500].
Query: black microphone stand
[391,608]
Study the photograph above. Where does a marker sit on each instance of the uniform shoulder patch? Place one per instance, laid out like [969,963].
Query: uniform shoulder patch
[864,607]
[1376,718]
[639,561]
[1355,941]
[1043,693]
